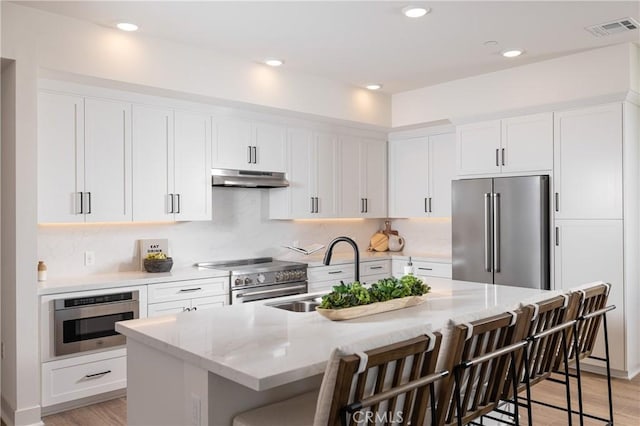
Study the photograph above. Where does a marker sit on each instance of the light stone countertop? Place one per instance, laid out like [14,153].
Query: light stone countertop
[261,347]
[133,278]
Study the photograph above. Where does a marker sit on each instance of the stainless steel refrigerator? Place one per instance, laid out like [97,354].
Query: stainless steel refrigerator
[501,231]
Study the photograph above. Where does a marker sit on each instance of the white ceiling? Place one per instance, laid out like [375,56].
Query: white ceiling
[370,41]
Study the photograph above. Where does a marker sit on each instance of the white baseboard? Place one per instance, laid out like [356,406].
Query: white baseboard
[82,402]
[25,417]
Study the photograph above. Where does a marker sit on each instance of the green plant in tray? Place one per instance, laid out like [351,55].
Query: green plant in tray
[355,294]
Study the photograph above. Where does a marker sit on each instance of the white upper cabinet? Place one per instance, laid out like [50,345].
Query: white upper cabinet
[192,162]
[60,158]
[588,163]
[107,160]
[311,172]
[246,145]
[512,145]
[527,143]
[84,159]
[153,178]
[171,165]
[420,173]
[363,177]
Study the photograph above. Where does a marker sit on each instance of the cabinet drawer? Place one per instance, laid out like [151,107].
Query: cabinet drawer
[428,269]
[62,381]
[181,290]
[167,308]
[325,286]
[333,273]
[378,267]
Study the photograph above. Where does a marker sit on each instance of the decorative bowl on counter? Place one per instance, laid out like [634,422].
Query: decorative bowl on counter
[371,308]
[158,265]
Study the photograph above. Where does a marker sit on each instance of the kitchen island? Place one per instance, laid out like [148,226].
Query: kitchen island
[203,368]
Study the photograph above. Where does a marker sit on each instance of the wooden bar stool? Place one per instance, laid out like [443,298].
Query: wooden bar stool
[393,383]
[484,356]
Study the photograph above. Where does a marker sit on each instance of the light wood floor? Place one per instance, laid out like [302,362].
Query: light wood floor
[626,395]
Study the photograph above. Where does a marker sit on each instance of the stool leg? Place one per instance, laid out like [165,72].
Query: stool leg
[514,379]
[457,395]
[577,357]
[567,383]
[527,385]
[606,349]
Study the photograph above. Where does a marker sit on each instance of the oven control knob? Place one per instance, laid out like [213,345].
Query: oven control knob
[285,276]
[238,281]
[248,281]
[261,278]
[279,276]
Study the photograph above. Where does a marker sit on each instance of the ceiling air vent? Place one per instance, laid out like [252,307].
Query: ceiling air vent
[613,27]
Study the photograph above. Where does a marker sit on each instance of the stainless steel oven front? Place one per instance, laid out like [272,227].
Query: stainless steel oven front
[88,323]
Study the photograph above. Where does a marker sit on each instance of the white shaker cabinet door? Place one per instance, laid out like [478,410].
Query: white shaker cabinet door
[153,178]
[478,148]
[588,251]
[325,174]
[60,158]
[269,147]
[588,163]
[374,177]
[409,177]
[192,166]
[298,204]
[442,169]
[527,143]
[232,144]
[351,165]
[107,161]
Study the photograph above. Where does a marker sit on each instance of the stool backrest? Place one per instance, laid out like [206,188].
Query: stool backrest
[384,369]
[592,298]
[480,387]
[545,351]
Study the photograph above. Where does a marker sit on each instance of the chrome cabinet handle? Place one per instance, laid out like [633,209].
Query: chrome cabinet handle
[557,201]
[366,205]
[96,375]
[317,205]
[430,210]
[496,232]
[185,309]
[249,157]
[425,269]
[171,210]
[487,231]
[195,308]
[497,157]
[426,209]
[81,203]
[361,205]
[188,290]
[376,267]
[557,236]
[503,156]
[334,272]
[177,203]
[275,290]
[312,204]
[255,154]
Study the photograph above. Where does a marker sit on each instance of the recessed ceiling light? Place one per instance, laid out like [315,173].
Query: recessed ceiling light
[512,53]
[415,11]
[490,43]
[127,26]
[374,86]
[273,62]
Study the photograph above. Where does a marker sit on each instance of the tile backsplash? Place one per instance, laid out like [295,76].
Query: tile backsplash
[239,229]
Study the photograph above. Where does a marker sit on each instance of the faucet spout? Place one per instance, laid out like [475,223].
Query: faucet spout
[356,254]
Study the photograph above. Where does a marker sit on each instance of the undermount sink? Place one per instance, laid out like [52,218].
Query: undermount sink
[307,304]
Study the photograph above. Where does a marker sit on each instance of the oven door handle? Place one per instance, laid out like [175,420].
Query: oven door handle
[275,290]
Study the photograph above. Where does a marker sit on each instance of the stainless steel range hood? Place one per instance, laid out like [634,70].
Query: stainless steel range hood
[248,178]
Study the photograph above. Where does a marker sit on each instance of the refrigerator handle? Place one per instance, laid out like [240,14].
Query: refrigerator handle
[496,232]
[487,236]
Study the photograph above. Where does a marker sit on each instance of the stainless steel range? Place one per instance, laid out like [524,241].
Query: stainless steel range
[262,278]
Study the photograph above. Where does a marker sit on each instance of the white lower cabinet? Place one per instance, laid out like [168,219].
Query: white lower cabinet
[80,377]
[323,278]
[422,269]
[191,295]
[592,250]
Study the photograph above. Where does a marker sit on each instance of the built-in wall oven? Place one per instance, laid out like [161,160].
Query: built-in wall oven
[262,278]
[88,322]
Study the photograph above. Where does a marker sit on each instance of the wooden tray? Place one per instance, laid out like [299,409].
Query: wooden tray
[372,308]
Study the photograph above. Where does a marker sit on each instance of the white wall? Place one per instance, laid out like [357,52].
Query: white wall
[239,229]
[74,46]
[425,236]
[583,75]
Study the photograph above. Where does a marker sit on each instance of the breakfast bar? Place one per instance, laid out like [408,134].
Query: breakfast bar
[203,368]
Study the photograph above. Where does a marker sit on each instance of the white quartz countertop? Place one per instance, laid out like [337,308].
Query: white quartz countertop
[262,347]
[124,279]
